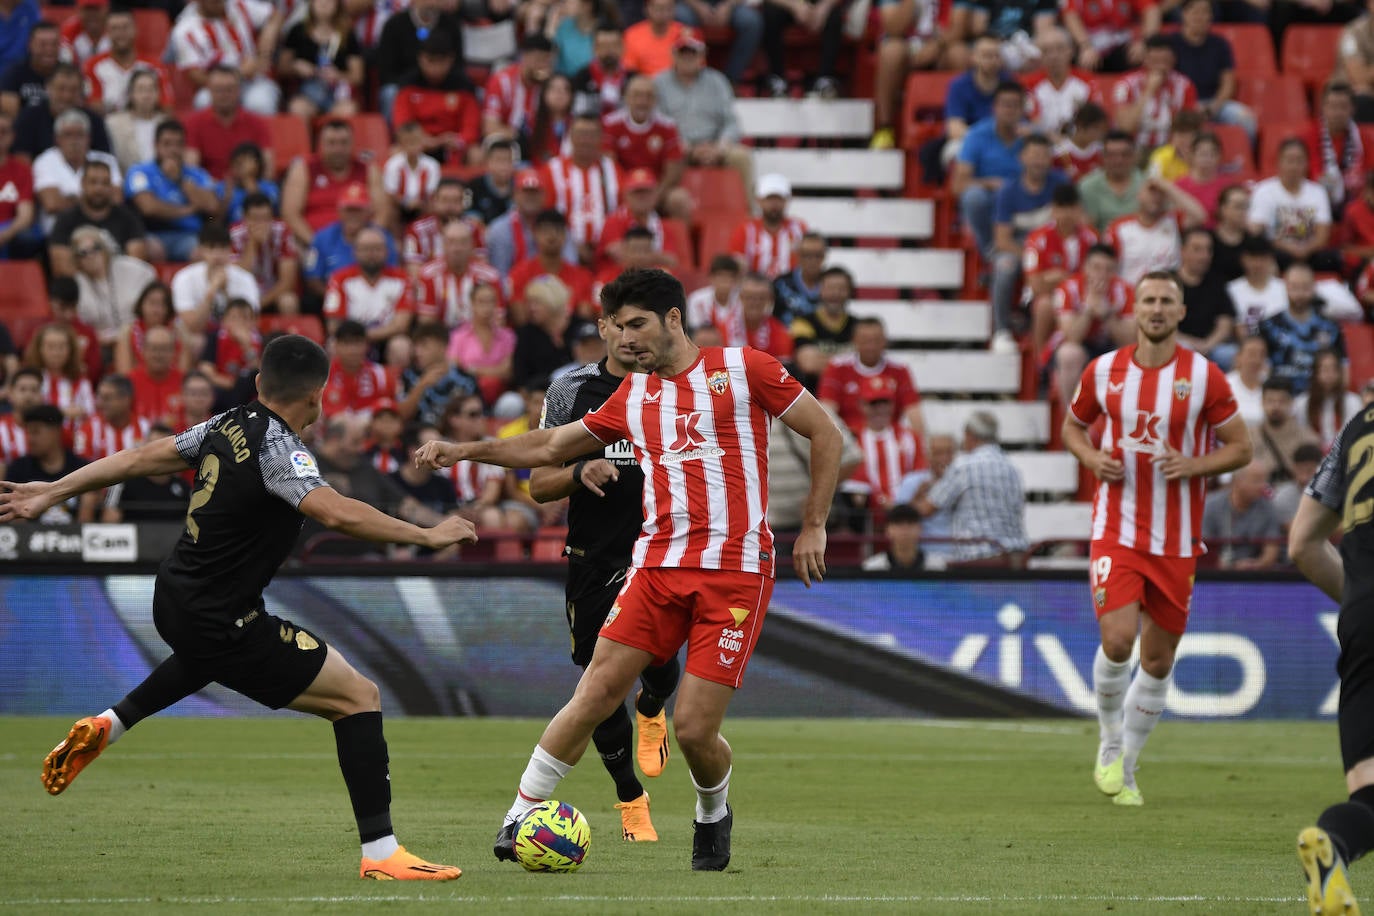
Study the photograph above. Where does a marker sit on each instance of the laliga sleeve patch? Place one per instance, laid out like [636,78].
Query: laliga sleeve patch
[303,463]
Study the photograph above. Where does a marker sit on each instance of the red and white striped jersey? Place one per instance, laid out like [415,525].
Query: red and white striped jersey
[77,46]
[586,196]
[446,297]
[888,455]
[351,295]
[703,309]
[508,99]
[1047,249]
[1157,114]
[424,239]
[410,185]
[1077,161]
[1051,108]
[470,478]
[107,82]
[265,261]
[13,440]
[701,438]
[1178,404]
[1071,298]
[63,392]
[95,437]
[368,26]
[767,252]
[199,43]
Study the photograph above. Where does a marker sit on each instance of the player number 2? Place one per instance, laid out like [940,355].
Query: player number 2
[1102,569]
[1360,468]
[209,476]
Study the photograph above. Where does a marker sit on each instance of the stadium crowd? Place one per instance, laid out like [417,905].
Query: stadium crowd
[191,197]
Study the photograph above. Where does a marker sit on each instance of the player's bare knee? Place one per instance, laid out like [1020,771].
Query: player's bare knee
[1117,647]
[1157,665]
[695,737]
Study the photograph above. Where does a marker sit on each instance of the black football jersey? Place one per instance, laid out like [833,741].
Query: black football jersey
[1345,484]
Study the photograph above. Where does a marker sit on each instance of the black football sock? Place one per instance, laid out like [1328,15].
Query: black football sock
[658,684]
[363,760]
[613,738]
[170,682]
[1351,824]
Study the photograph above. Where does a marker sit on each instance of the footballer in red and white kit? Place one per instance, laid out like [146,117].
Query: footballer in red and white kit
[698,420]
[1160,406]
[768,244]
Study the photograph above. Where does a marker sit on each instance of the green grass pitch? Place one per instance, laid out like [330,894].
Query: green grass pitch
[250,816]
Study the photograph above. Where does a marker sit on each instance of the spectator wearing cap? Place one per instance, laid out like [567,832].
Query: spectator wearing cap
[35,125]
[216,130]
[24,83]
[548,260]
[399,45]
[431,380]
[511,99]
[313,185]
[484,344]
[323,56]
[16,198]
[98,206]
[356,384]
[989,158]
[903,554]
[17,19]
[263,245]
[767,244]
[247,176]
[1146,99]
[333,247]
[1258,293]
[370,290]
[641,138]
[649,43]
[49,460]
[743,18]
[823,16]
[890,451]
[85,34]
[172,196]
[669,236]
[437,96]
[239,37]
[844,379]
[510,239]
[983,492]
[797,291]
[201,291]
[490,194]
[600,85]
[447,282]
[701,102]
[587,346]
[584,184]
[108,73]
[756,325]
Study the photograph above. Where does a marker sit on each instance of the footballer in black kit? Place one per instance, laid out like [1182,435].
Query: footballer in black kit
[602,530]
[1341,496]
[255,482]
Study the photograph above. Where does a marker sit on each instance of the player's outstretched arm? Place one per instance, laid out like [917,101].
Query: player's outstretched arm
[1309,544]
[808,418]
[31,500]
[344,514]
[537,448]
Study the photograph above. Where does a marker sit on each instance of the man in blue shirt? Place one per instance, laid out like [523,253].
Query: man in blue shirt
[797,293]
[333,245]
[968,99]
[1296,336]
[1022,206]
[988,159]
[171,196]
[17,18]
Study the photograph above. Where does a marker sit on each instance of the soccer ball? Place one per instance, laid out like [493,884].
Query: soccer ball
[552,836]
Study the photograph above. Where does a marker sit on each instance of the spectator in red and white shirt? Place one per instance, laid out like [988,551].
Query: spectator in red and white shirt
[447,282]
[768,244]
[1080,154]
[584,185]
[511,99]
[1112,35]
[1337,155]
[17,208]
[1147,99]
[423,240]
[410,176]
[890,451]
[356,384]
[370,292]
[843,379]
[221,33]
[641,138]
[84,35]
[438,96]
[26,393]
[1094,310]
[1055,92]
[717,302]
[107,73]
[55,351]
[550,240]
[1051,254]
[669,236]
[755,325]
[230,357]
[1149,239]
[600,85]
[264,247]
[114,426]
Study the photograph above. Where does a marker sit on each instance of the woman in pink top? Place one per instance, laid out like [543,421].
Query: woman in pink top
[1204,181]
[484,345]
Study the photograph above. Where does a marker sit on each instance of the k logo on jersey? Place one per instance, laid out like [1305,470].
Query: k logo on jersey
[1145,436]
[690,443]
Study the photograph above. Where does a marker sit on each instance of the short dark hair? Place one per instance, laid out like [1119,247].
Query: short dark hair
[637,232]
[536,41]
[257,199]
[29,372]
[168,127]
[126,387]
[607,24]
[1294,143]
[292,368]
[838,271]
[650,289]
[429,330]
[1277,383]
[1207,136]
[249,148]
[1089,114]
[1102,249]
[94,163]
[1257,245]
[1338,87]
[537,382]
[1066,195]
[1037,140]
[1230,191]
[64,289]
[438,44]
[350,330]
[1308,453]
[1009,86]
[500,143]
[214,233]
[63,69]
[1157,42]
[1197,230]
[1118,136]
[238,302]
[45,414]
[551,217]
[902,514]
[222,68]
[723,263]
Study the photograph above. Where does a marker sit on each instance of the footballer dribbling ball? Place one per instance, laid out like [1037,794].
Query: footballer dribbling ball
[553,836]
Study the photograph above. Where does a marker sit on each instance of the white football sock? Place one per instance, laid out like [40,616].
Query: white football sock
[542,776]
[1144,705]
[117,728]
[711,802]
[1110,680]
[377,850]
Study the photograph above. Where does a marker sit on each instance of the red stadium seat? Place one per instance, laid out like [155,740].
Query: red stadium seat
[718,193]
[1237,155]
[154,30]
[548,545]
[305,325]
[1274,99]
[923,107]
[371,137]
[167,270]
[1359,344]
[1309,52]
[677,241]
[289,140]
[1252,47]
[715,239]
[1271,137]
[21,329]
[1102,89]
[23,291]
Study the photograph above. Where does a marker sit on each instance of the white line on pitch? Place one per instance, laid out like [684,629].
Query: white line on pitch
[666,898]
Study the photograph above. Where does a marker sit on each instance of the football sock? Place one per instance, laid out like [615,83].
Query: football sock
[1110,680]
[612,739]
[377,850]
[1350,824]
[711,802]
[363,761]
[116,725]
[1144,704]
[658,684]
[168,683]
[541,777]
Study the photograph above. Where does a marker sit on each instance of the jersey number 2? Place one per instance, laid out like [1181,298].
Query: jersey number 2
[209,476]
[1359,511]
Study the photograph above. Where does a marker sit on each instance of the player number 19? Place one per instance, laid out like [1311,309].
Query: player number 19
[1102,568]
